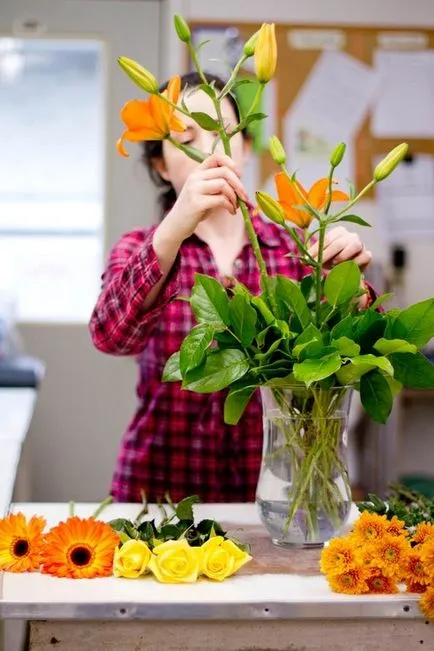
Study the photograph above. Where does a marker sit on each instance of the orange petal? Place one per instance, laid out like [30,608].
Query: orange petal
[176,124]
[297,217]
[136,114]
[286,191]
[174,89]
[318,193]
[338,195]
[121,149]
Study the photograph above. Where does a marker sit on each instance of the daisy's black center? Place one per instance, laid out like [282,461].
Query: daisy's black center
[21,547]
[80,556]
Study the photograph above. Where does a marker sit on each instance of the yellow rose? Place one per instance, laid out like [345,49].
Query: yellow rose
[132,559]
[175,561]
[221,558]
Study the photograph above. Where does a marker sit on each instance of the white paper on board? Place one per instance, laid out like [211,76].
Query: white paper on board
[404,107]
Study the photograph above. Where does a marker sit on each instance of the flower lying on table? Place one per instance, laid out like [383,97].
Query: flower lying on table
[175,551]
[381,554]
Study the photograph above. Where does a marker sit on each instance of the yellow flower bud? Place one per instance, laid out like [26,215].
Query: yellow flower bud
[175,561]
[270,207]
[249,46]
[182,29]
[338,154]
[132,559]
[221,558]
[142,77]
[277,151]
[390,162]
[266,53]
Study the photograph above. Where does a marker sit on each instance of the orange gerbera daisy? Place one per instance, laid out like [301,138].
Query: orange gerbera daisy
[79,549]
[151,119]
[352,581]
[426,603]
[379,583]
[20,543]
[338,557]
[414,570]
[369,527]
[391,554]
[396,527]
[317,197]
[424,530]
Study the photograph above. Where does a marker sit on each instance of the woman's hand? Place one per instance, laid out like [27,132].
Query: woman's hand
[341,245]
[214,185]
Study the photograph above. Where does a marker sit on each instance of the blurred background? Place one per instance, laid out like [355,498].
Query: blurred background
[352,71]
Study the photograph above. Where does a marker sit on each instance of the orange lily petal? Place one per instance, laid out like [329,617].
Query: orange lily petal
[297,217]
[120,147]
[286,191]
[318,193]
[338,195]
[135,114]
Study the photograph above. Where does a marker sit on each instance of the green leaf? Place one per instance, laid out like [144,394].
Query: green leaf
[274,346]
[364,322]
[243,319]
[306,286]
[394,385]
[260,337]
[209,302]
[253,117]
[172,368]
[236,402]
[346,346]
[416,323]
[220,369]
[389,346]
[209,90]
[184,509]
[380,300]
[313,370]
[342,329]
[359,366]
[372,334]
[311,333]
[315,350]
[290,293]
[242,82]
[205,121]
[353,219]
[415,371]
[194,346]
[342,283]
[376,396]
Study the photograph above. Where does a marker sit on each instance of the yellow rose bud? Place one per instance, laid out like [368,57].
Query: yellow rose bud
[132,559]
[277,151]
[142,77]
[221,558]
[175,561]
[182,29]
[270,207]
[390,162]
[338,154]
[266,53]
[249,46]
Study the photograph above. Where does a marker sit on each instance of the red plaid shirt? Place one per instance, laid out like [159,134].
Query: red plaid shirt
[177,441]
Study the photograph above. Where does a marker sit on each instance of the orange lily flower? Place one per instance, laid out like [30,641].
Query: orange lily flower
[151,119]
[317,196]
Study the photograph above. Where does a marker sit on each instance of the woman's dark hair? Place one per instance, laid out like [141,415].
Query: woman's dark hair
[153,149]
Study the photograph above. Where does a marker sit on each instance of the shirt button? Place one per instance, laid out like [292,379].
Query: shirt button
[239,264]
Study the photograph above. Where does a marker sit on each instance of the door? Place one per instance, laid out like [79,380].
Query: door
[65,197]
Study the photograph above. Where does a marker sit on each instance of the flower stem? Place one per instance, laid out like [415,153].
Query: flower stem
[71,509]
[319,272]
[227,87]
[355,200]
[108,500]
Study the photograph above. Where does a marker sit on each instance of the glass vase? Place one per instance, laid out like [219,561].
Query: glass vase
[303,492]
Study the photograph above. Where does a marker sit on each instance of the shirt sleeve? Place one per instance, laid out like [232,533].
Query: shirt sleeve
[119,324]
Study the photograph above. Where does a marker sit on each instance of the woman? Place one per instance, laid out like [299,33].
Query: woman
[177,441]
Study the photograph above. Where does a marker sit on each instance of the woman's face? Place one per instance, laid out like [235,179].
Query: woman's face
[176,166]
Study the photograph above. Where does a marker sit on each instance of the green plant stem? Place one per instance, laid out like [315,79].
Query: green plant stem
[292,232]
[256,99]
[227,87]
[319,272]
[71,509]
[196,63]
[108,500]
[195,154]
[330,185]
[355,200]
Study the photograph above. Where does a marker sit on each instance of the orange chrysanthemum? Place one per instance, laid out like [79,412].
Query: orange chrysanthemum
[379,583]
[414,570]
[424,530]
[151,119]
[369,527]
[427,556]
[418,588]
[426,603]
[338,557]
[391,554]
[351,582]
[79,549]
[317,197]
[20,543]
[396,527]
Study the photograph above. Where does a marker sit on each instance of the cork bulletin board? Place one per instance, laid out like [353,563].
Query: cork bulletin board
[372,87]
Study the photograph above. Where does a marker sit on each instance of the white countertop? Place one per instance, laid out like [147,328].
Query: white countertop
[16,410]
[267,596]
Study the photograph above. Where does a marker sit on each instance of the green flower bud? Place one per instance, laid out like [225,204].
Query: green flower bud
[249,46]
[142,77]
[277,151]
[182,28]
[390,162]
[338,154]
[270,207]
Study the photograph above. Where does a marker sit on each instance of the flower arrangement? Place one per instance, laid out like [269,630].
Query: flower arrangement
[175,551]
[298,340]
[381,555]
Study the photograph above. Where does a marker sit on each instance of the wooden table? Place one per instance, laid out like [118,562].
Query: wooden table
[270,605]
